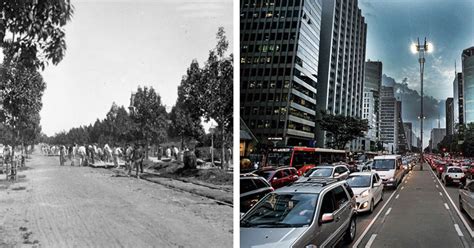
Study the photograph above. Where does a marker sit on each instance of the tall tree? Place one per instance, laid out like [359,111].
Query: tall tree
[150,117]
[31,31]
[342,129]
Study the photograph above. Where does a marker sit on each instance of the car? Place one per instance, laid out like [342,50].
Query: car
[252,189]
[389,168]
[453,174]
[466,199]
[318,213]
[470,172]
[368,189]
[440,168]
[367,166]
[338,172]
[406,165]
[278,177]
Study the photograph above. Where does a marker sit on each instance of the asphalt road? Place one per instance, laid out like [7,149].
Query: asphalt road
[417,214]
[53,206]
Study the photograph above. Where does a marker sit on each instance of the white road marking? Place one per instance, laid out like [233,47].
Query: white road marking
[371,240]
[469,229]
[396,197]
[402,187]
[388,211]
[446,206]
[436,185]
[441,194]
[356,244]
[458,230]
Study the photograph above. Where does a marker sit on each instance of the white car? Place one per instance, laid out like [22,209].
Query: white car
[453,174]
[368,189]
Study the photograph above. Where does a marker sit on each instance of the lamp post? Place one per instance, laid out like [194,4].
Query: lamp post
[421,49]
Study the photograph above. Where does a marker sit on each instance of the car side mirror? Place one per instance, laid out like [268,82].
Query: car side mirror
[326,218]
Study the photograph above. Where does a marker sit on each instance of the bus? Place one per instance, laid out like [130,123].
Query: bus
[303,158]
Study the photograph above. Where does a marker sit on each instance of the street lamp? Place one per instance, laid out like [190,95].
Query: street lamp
[421,50]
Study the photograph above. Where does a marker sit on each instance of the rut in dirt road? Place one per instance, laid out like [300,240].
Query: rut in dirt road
[85,207]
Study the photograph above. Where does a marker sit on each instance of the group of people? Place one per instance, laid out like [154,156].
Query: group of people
[7,152]
[132,155]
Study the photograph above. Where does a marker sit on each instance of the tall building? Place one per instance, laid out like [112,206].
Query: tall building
[467,59]
[388,119]
[459,104]
[371,101]
[408,128]
[341,60]
[279,45]
[402,143]
[437,135]
[449,116]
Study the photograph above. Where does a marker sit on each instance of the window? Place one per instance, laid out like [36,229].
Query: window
[340,196]
[327,205]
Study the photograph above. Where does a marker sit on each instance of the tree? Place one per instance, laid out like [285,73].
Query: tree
[186,114]
[217,87]
[150,117]
[31,32]
[342,129]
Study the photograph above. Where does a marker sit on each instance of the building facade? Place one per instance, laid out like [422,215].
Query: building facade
[437,135]
[408,128]
[279,45]
[341,61]
[371,101]
[467,59]
[388,119]
[449,116]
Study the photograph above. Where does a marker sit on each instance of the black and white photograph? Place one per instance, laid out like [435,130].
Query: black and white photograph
[116,123]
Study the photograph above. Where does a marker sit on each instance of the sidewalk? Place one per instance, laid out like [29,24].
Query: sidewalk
[418,217]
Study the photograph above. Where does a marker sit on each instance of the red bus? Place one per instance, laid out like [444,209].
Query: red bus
[303,158]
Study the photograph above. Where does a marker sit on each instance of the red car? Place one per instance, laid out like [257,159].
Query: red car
[440,168]
[279,177]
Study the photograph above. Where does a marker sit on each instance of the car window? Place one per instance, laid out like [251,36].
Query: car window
[293,171]
[349,189]
[340,196]
[455,170]
[284,173]
[374,179]
[328,206]
[378,178]
[278,174]
[260,183]
[247,185]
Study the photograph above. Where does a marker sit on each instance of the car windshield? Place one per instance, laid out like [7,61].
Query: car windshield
[321,172]
[383,164]
[278,158]
[359,181]
[282,211]
[265,174]
[455,170]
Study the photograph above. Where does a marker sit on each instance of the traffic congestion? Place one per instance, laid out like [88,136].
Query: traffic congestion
[324,204]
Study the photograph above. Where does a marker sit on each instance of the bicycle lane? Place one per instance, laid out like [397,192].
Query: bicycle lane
[418,216]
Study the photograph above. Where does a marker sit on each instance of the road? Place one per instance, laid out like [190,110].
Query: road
[64,206]
[418,213]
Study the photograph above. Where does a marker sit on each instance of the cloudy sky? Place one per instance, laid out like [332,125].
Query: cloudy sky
[115,46]
[394,24]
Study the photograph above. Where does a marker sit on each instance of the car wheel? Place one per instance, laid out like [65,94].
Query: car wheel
[350,232]
[371,210]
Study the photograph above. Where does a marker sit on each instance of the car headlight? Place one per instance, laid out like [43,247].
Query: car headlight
[311,246]
[365,193]
[391,179]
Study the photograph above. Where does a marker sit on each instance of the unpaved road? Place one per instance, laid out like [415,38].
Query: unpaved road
[66,206]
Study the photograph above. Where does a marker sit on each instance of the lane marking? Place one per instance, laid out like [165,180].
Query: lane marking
[458,230]
[446,206]
[356,244]
[402,187]
[436,185]
[469,229]
[371,240]
[396,197]
[441,194]
[388,211]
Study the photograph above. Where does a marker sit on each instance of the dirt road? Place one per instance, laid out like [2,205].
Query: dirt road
[66,206]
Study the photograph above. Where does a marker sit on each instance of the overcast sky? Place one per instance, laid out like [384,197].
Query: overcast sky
[115,46]
[394,24]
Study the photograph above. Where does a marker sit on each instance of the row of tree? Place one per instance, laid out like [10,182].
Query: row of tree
[205,93]
[462,142]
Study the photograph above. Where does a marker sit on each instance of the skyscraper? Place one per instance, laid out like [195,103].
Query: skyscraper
[437,135]
[279,68]
[468,83]
[449,116]
[388,119]
[341,60]
[408,128]
[371,101]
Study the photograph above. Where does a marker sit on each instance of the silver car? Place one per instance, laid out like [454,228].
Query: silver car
[466,199]
[338,172]
[304,214]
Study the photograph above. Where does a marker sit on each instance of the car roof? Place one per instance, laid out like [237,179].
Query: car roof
[313,185]
[324,167]
[387,157]
[366,173]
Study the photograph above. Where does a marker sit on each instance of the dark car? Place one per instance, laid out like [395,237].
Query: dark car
[440,168]
[252,189]
[279,177]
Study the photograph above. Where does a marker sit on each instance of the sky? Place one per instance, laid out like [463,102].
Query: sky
[392,25]
[115,46]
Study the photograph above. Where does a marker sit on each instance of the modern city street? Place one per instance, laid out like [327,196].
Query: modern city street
[65,206]
[420,213]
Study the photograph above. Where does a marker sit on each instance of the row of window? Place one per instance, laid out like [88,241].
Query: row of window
[265,84]
[263,97]
[269,3]
[250,37]
[269,14]
[260,72]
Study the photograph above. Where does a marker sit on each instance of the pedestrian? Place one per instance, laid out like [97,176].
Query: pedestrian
[62,151]
[128,158]
[82,152]
[138,156]
[160,152]
[117,152]
[69,154]
[176,152]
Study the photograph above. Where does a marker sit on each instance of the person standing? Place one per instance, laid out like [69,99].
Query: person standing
[138,156]
[70,153]
[62,151]
[117,152]
[129,158]
[176,152]
[168,152]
